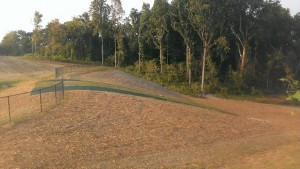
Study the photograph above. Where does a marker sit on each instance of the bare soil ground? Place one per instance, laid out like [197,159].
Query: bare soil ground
[112,130]
[109,130]
[279,117]
[14,68]
[25,72]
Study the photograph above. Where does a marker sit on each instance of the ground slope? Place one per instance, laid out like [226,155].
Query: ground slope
[15,68]
[108,130]
[26,73]
[95,129]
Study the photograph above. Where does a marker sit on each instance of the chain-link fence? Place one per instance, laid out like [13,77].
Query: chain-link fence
[61,71]
[19,107]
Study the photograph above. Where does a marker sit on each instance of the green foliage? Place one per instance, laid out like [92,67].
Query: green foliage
[248,45]
[16,43]
[151,69]
[235,83]
[188,89]
[211,78]
[36,36]
[293,88]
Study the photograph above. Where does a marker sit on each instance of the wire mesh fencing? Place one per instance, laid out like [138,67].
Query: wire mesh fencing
[20,107]
[62,71]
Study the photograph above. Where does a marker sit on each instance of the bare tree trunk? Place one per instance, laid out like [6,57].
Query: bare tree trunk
[102,50]
[161,57]
[81,49]
[115,52]
[188,64]
[187,61]
[32,47]
[268,74]
[243,59]
[90,48]
[35,44]
[139,53]
[203,68]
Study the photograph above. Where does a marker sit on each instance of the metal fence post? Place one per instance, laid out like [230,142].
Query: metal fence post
[41,104]
[8,102]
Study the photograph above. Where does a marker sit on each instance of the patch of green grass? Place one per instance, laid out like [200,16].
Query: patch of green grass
[8,84]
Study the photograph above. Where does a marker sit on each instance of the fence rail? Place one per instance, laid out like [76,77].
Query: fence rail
[19,107]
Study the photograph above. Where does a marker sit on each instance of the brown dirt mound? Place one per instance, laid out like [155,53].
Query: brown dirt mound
[107,130]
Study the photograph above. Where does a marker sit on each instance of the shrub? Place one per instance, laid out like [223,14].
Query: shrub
[235,83]
[129,69]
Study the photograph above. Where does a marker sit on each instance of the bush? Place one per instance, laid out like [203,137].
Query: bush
[185,88]
[110,60]
[172,74]
[211,77]
[235,83]
[224,91]
[129,69]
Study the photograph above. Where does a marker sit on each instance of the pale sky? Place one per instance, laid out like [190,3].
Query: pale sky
[18,14]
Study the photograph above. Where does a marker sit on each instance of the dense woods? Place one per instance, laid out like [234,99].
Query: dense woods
[196,46]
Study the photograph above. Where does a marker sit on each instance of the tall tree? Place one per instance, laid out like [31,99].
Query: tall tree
[273,40]
[296,42]
[117,14]
[75,31]
[182,24]
[99,11]
[11,43]
[36,31]
[159,21]
[143,31]
[87,33]
[206,18]
[134,16]
[55,35]
[243,25]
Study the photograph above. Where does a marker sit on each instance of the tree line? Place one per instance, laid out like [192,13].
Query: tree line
[232,46]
